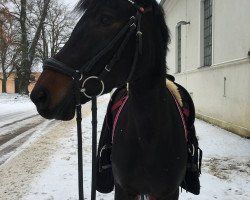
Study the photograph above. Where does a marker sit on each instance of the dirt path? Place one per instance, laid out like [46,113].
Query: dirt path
[17,173]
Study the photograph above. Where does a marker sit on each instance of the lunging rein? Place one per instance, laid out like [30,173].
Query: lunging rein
[80,82]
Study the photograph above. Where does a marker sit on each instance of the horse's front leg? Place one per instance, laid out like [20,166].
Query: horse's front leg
[121,194]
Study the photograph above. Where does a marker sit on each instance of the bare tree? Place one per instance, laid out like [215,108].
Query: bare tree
[30,16]
[42,27]
[56,30]
[29,43]
[8,45]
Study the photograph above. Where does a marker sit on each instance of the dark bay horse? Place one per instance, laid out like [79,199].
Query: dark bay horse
[123,42]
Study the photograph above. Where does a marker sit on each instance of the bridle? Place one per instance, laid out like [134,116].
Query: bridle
[126,32]
[132,26]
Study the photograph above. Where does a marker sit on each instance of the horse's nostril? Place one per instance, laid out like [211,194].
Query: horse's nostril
[40,98]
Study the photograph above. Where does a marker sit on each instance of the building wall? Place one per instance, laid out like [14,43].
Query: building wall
[10,85]
[221,92]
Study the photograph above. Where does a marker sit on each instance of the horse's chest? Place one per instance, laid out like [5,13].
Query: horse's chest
[148,154]
[140,161]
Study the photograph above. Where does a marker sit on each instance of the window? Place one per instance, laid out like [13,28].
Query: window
[207,32]
[178,49]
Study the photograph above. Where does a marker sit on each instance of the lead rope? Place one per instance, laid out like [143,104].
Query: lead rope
[79,139]
[94,147]
[77,79]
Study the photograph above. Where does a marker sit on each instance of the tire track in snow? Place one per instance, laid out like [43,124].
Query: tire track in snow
[11,123]
[15,134]
[7,119]
[17,130]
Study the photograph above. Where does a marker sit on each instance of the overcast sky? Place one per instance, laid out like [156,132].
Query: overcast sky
[71,3]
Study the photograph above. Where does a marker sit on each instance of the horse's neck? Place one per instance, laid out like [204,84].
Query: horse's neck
[147,87]
[148,105]
[146,91]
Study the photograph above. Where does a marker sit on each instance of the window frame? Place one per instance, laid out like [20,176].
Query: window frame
[207,28]
[179,46]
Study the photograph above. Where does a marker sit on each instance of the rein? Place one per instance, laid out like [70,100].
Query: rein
[79,84]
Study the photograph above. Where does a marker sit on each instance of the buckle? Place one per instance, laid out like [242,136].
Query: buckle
[139,33]
[133,26]
[77,75]
[107,68]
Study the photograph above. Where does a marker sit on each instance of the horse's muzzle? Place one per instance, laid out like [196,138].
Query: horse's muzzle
[40,97]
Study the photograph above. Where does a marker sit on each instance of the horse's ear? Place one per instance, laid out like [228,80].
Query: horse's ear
[82,5]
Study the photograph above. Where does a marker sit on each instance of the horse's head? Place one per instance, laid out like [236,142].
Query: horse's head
[105,43]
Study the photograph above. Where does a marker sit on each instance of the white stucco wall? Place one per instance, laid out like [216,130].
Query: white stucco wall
[232,29]
[225,102]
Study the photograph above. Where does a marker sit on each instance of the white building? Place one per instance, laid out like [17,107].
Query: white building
[210,56]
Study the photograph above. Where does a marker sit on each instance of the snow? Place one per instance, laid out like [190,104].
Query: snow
[226,165]
[14,102]
[63,167]
[225,170]
[13,105]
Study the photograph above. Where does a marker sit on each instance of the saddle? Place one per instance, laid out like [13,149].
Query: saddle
[191,183]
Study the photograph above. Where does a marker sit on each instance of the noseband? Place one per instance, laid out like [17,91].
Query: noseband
[132,26]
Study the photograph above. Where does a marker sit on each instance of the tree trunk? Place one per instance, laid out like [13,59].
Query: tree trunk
[23,75]
[45,52]
[28,50]
[4,84]
[5,77]
[22,71]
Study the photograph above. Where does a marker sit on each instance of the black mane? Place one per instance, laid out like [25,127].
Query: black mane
[82,5]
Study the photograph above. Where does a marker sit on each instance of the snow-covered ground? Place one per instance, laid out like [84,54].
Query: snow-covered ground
[19,120]
[45,167]
[15,106]
[10,103]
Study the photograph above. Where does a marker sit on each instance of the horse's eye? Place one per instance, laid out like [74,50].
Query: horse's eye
[106,20]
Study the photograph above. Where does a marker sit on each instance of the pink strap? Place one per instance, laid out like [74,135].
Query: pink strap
[186,112]
[117,104]
[122,102]
[117,114]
